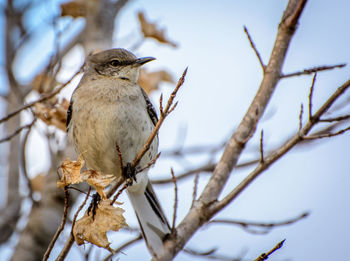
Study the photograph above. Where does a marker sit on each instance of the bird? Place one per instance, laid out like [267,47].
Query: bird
[108,109]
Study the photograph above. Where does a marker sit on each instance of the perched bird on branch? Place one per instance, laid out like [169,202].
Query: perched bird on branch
[108,110]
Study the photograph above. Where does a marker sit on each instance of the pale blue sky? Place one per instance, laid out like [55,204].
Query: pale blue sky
[223,77]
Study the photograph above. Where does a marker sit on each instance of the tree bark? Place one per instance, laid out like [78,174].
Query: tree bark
[200,212]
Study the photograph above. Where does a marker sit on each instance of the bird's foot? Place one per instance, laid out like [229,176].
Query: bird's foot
[96,198]
[129,174]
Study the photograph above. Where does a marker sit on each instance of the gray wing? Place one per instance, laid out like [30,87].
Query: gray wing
[150,109]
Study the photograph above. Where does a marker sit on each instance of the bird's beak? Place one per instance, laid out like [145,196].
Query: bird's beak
[144,60]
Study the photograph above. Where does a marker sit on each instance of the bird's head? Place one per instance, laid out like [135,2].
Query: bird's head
[116,62]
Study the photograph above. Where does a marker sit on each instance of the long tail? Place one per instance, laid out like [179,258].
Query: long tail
[153,223]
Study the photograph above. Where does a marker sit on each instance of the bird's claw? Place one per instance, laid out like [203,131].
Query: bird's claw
[129,173]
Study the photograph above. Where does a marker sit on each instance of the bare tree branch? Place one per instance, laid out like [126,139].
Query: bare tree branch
[325,135]
[340,118]
[124,187]
[45,97]
[61,227]
[70,239]
[265,256]
[16,132]
[267,226]
[301,117]
[123,246]
[282,150]
[195,188]
[194,150]
[254,48]
[151,163]
[262,147]
[198,215]
[211,255]
[313,70]
[205,168]
[24,162]
[175,201]
[310,95]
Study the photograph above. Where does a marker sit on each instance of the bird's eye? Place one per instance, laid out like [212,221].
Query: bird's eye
[114,63]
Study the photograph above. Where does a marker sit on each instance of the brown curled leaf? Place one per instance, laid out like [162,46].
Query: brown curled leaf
[150,30]
[98,180]
[149,81]
[44,83]
[94,229]
[74,9]
[54,114]
[71,172]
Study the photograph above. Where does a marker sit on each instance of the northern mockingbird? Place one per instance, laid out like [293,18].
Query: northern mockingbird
[107,109]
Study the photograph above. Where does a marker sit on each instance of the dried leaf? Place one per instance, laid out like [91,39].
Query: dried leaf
[98,180]
[93,230]
[54,114]
[37,183]
[74,9]
[71,172]
[150,30]
[44,83]
[150,81]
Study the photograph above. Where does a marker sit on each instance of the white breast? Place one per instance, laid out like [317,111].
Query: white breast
[105,116]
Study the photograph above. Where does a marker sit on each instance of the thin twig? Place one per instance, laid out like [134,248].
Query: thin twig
[120,157]
[210,254]
[121,178]
[115,187]
[126,184]
[24,162]
[254,48]
[301,117]
[195,188]
[163,114]
[161,102]
[262,147]
[76,189]
[67,246]
[152,162]
[340,118]
[313,70]
[265,256]
[123,246]
[27,126]
[70,239]
[247,224]
[61,227]
[175,201]
[200,253]
[326,135]
[310,95]
[206,168]
[194,150]
[79,209]
[43,98]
